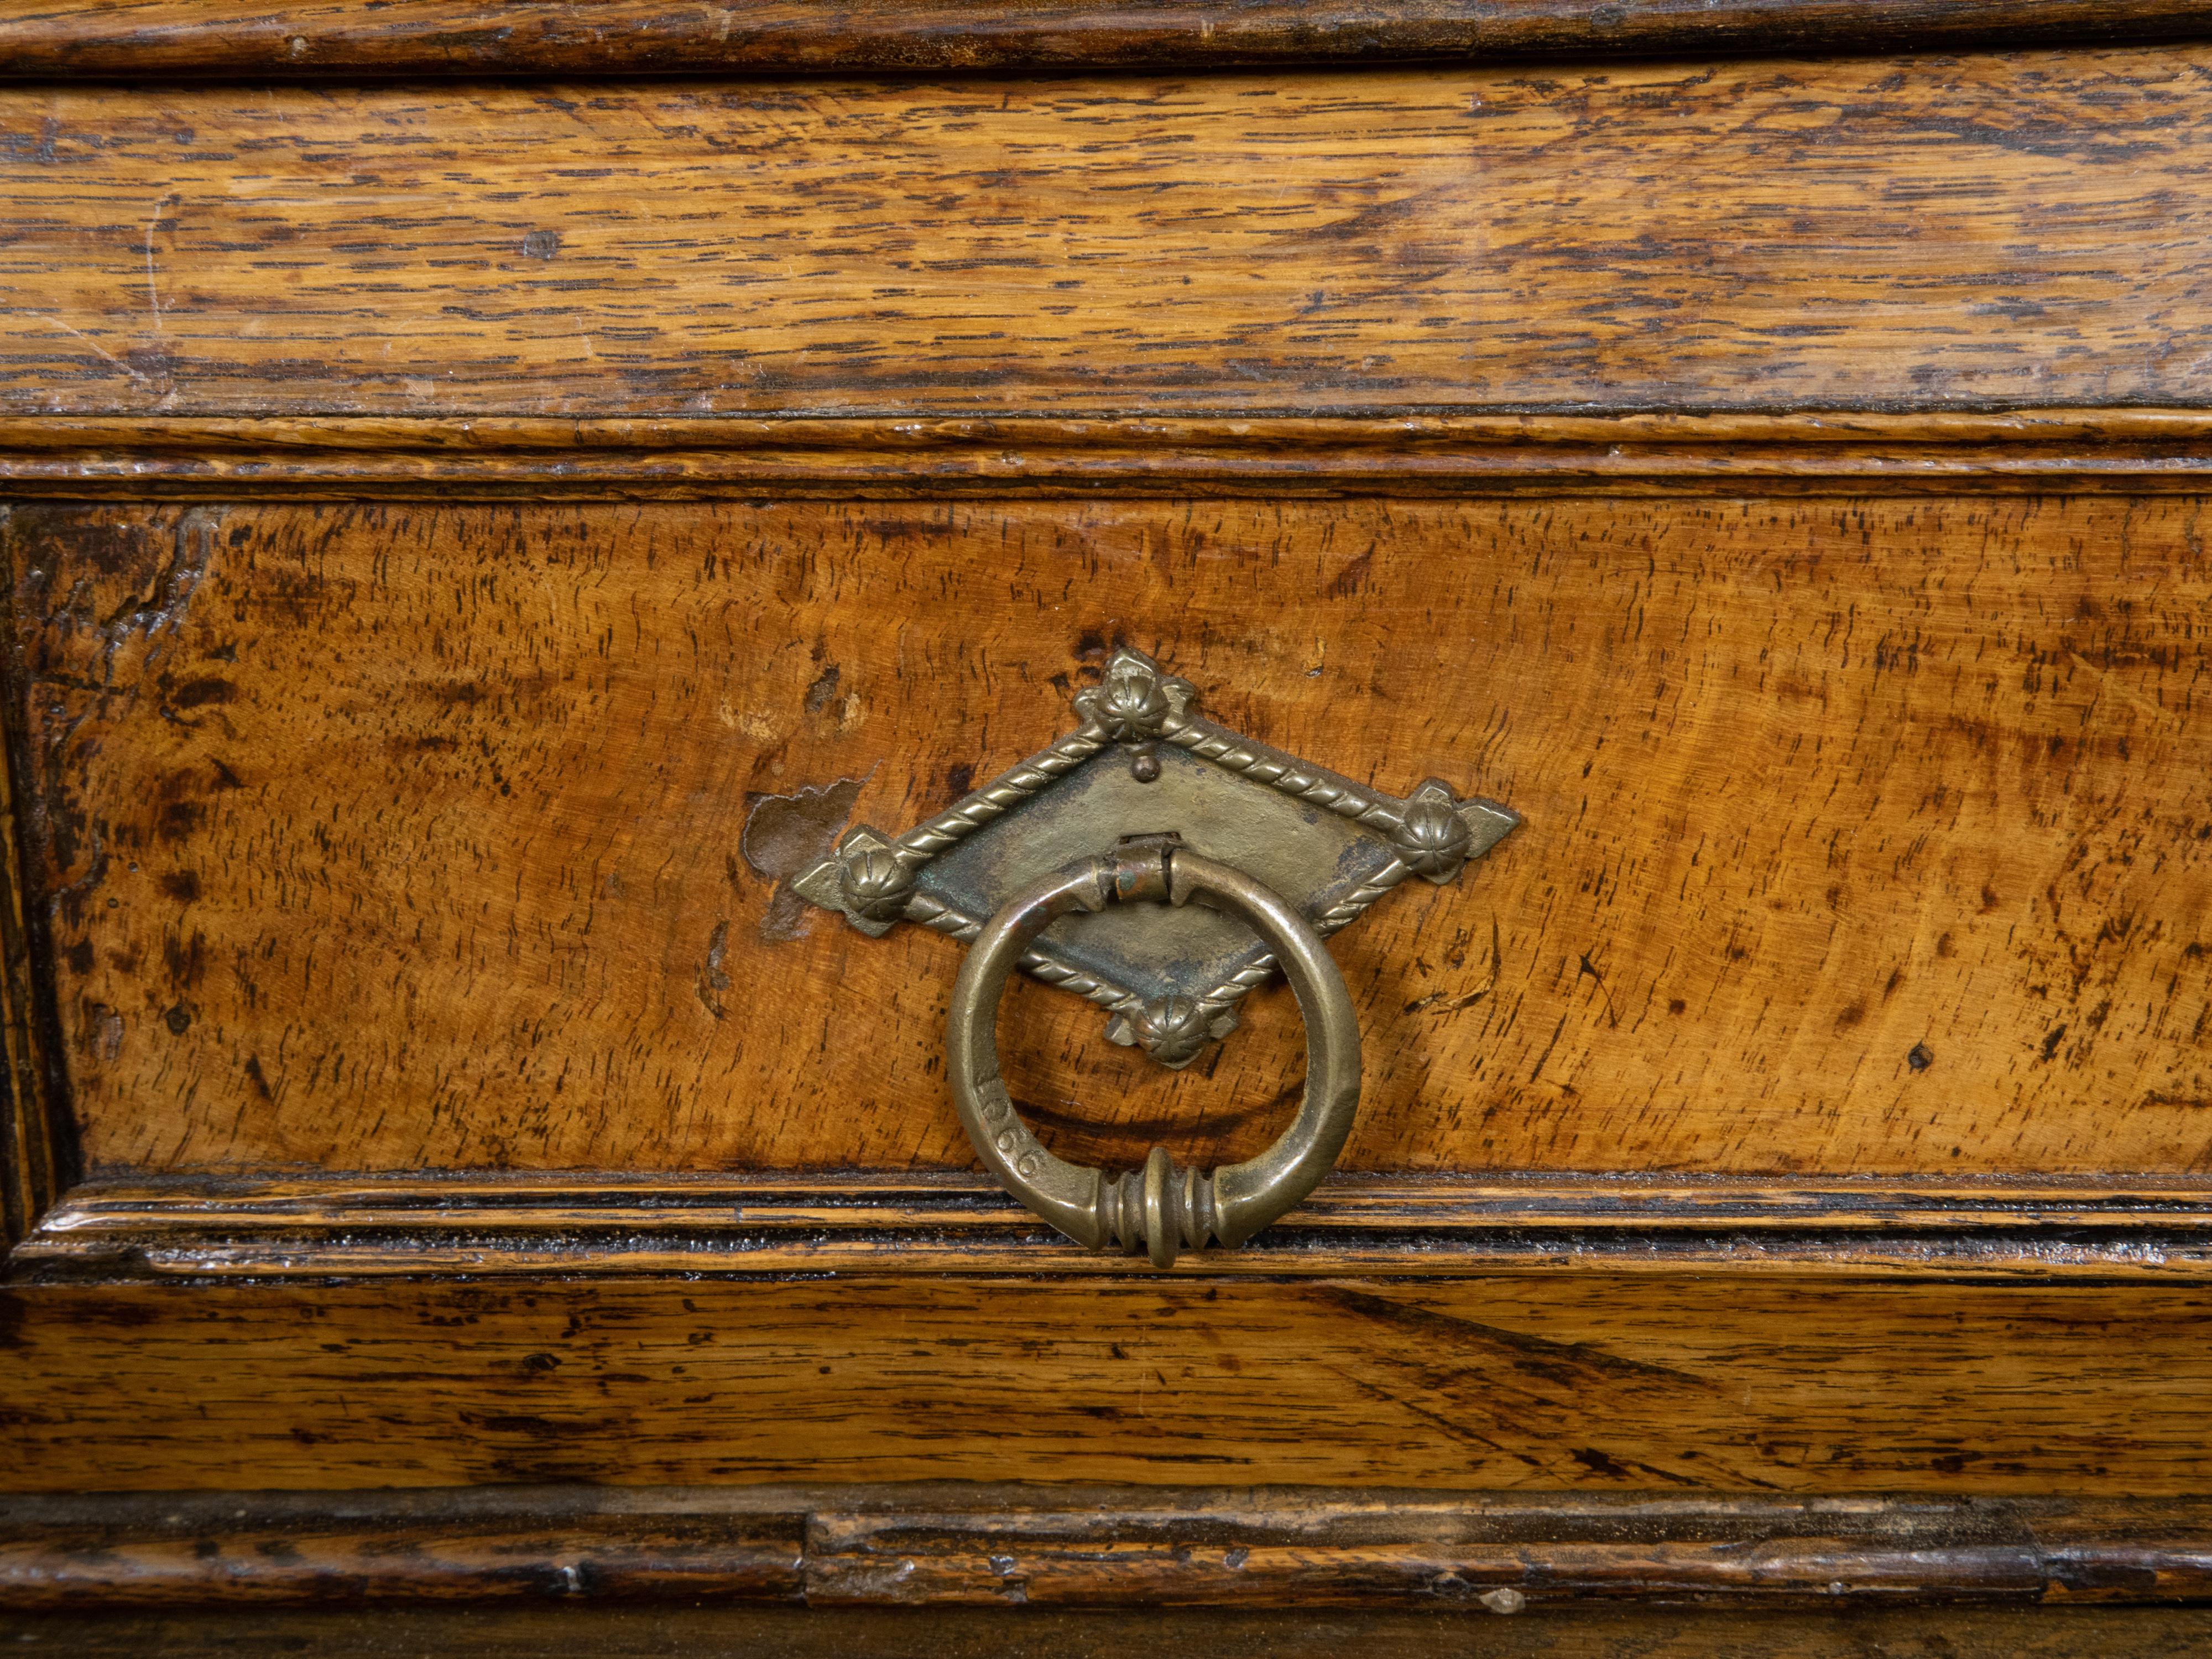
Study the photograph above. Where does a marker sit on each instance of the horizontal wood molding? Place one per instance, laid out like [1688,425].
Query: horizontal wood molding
[150,38]
[367,1227]
[2136,450]
[1981,231]
[1011,1546]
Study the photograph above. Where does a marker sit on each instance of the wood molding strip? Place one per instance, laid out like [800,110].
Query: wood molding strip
[144,39]
[1715,234]
[38,1149]
[371,1227]
[2032,450]
[1014,1545]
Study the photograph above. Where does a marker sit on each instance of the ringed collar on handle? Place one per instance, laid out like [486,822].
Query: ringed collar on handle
[1162,1209]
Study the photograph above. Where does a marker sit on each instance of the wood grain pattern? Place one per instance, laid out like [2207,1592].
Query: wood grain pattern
[35,1138]
[331,1227]
[142,38]
[1862,836]
[323,1546]
[619,1630]
[2135,450]
[1986,230]
[1781,480]
[1536,1383]
[1076,1547]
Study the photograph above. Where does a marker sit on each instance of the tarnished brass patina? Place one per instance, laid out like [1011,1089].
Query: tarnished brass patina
[1231,861]
[1160,1209]
[1143,760]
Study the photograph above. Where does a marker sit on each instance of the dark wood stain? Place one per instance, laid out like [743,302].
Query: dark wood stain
[324,40]
[261,1227]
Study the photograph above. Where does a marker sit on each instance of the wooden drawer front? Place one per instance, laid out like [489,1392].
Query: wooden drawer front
[471,544]
[1863,836]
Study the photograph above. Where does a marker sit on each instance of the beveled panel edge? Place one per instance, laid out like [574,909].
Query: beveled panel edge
[953,1544]
[38,1141]
[1817,451]
[207,39]
[219,1228]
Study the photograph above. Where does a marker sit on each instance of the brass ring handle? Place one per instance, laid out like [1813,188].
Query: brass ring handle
[1163,1208]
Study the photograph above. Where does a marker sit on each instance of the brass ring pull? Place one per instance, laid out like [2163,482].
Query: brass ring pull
[1162,1209]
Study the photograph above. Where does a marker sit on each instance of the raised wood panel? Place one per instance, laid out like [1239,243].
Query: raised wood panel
[260,1227]
[1539,1383]
[2134,451]
[1861,836]
[1989,229]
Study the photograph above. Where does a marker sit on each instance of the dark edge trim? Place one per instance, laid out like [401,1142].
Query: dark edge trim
[435,38]
[477,1227]
[2035,451]
[1074,1547]
[39,1154]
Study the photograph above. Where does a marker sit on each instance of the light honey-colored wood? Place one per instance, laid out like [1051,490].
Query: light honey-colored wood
[1990,229]
[324,39]
[1008,1545]
[405,837]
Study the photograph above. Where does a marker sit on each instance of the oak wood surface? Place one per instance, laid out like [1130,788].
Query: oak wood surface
[1722,1382]
[1988,229]
[1862,836]
[328,1227]
[140,38]
[38,1139]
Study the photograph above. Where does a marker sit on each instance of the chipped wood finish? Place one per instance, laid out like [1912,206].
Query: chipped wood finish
[330,1227]
[453,1545]
[1078,1547]
[1991,230]
[1718,1381]
[1864,836]
[165,38]
[2136,451]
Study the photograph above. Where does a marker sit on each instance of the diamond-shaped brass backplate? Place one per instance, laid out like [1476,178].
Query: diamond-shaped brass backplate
[1145,762]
